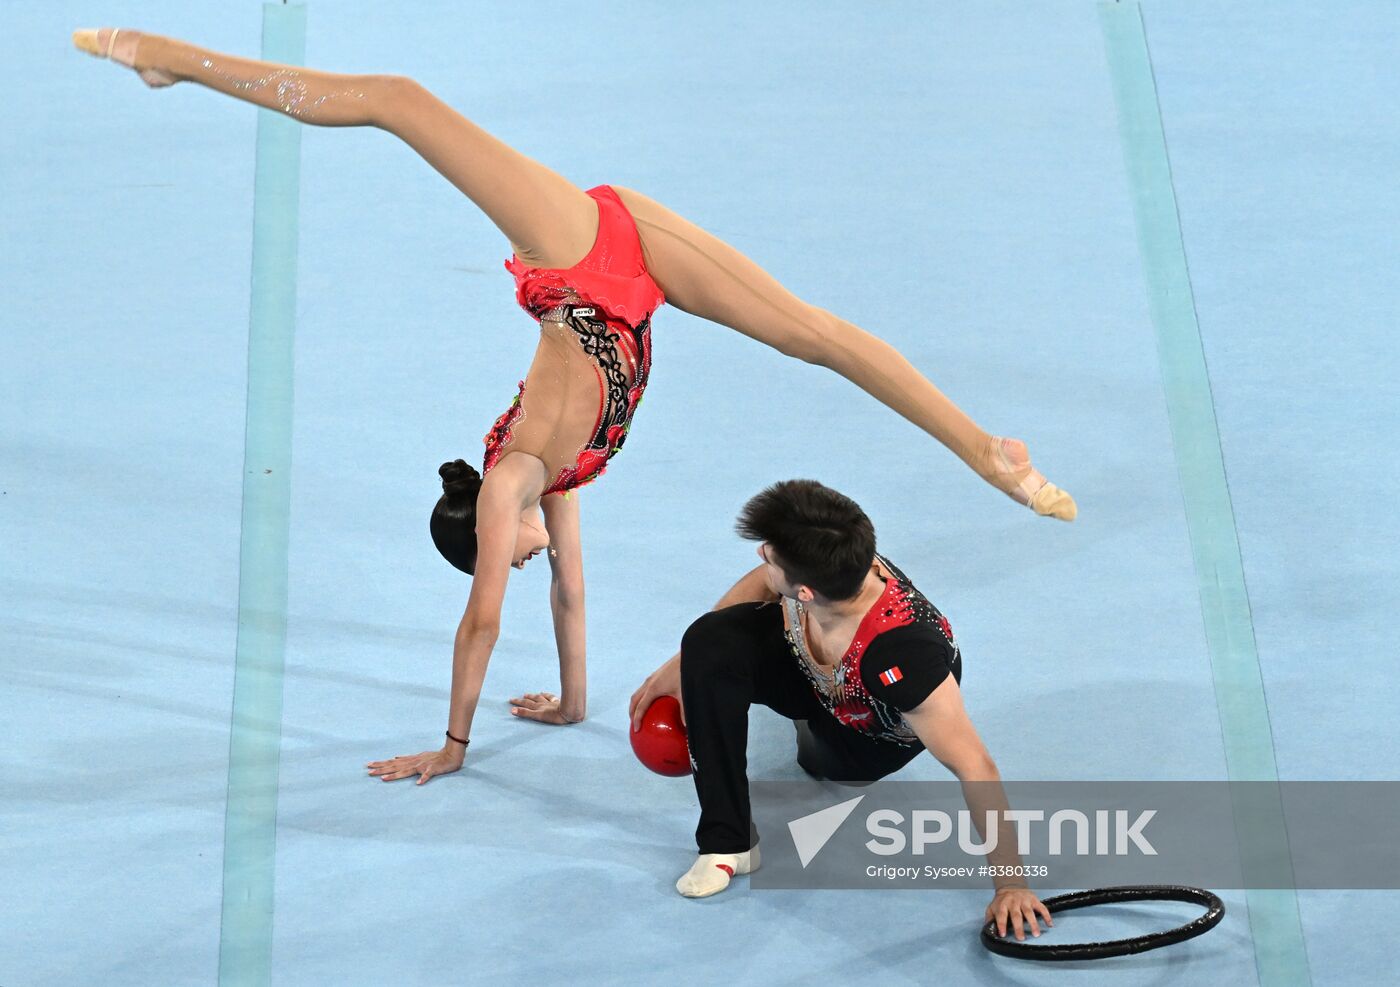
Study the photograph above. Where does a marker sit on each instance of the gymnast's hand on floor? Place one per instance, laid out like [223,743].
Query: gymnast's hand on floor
[1013,906]
[427,765]
[544,707]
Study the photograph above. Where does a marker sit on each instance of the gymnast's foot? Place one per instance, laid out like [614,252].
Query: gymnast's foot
[1011,473]
[711,872]
[120,44]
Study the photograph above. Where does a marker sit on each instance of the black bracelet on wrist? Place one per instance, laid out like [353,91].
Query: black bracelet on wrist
[464,743]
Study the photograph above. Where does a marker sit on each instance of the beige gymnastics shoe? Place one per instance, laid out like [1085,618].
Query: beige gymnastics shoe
[1017,478]
[120,46]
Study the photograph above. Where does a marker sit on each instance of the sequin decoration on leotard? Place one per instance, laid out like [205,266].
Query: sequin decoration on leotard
[595,332]
[609,342]
[841,689]
[500,435]
[620,356]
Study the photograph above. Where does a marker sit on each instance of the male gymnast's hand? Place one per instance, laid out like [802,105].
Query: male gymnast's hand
[665,681]
[427,765]
[1013,906]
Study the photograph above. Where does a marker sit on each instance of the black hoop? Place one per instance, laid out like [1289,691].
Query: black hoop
[1215,911]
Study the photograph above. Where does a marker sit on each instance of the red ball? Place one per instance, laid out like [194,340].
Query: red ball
[660,744]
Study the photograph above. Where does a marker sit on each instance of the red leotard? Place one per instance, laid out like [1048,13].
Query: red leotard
[606,300]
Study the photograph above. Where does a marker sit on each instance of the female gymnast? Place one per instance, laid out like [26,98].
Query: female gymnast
[592,267]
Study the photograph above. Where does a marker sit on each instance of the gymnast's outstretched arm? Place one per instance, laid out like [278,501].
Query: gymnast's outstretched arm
[552,223]
[566,604]
[507,491]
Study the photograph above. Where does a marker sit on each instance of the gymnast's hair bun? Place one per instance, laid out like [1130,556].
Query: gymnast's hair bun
[458,478]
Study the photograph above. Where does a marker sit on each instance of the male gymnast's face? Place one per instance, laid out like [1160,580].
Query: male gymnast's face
[778,580]
[531,538]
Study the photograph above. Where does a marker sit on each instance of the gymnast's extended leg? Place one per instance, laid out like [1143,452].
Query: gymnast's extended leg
[705,276]
[548,220]
[552,223]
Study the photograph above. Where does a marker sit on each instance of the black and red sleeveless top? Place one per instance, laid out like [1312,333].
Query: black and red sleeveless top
[903,649]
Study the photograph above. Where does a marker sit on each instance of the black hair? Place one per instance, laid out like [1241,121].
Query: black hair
[823,539]
[453,524]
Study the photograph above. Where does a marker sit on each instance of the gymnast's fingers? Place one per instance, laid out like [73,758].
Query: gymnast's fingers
[1028,914]
[1013,917]
[542,714]
[639,704]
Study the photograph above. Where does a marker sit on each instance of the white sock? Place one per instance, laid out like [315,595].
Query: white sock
[711,872]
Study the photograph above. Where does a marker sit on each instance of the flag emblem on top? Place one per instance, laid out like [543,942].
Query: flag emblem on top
[891,675]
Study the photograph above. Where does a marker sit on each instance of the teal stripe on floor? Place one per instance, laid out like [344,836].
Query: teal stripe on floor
[250,824]
[1280,955]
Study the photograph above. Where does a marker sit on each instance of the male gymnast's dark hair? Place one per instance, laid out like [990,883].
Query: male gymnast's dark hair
[823,539]
[453,524]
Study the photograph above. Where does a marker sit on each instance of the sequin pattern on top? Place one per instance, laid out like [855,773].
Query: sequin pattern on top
[615,347]
[499,437]
[621,358]
[843,691]
[605,303]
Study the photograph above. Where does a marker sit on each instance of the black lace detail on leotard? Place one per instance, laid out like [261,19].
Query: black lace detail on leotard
[599,341]
[607,343]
